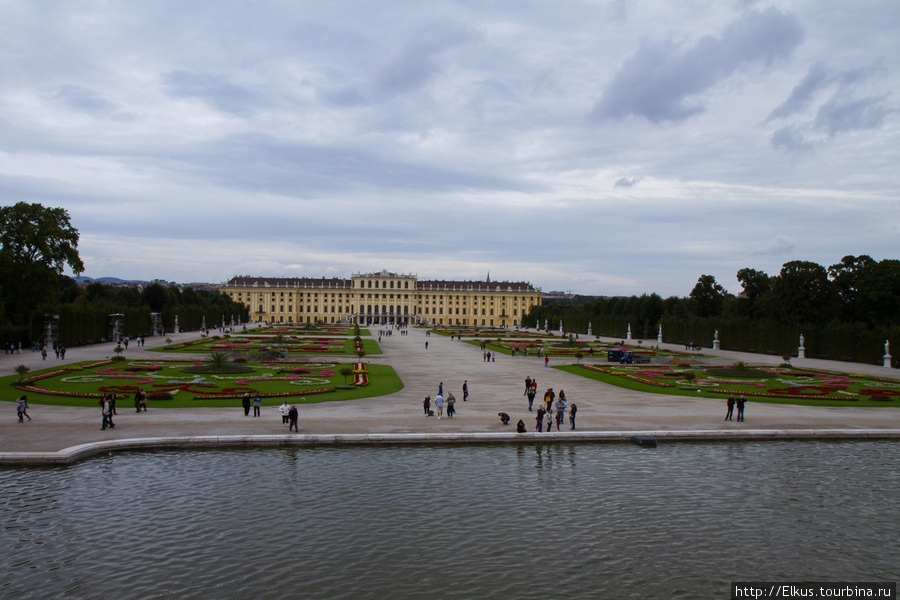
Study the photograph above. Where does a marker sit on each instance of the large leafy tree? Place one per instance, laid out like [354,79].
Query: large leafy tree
[756,285]
[802,293]
[878,297]
[846,277]
[708,296]
[36,244]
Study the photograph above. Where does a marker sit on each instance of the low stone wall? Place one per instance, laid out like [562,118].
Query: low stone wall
[83,451]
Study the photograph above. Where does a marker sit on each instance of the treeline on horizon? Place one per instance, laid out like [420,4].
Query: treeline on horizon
[84,312]
[845,312]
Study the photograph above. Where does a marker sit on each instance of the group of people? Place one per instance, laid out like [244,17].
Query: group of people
[440,401]
[140,401]
[740,406]
[60,350]
[256,402]
[289,416]
[547,414]
[107,410]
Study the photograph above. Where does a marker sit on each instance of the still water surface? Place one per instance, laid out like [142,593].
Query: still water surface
[530,521]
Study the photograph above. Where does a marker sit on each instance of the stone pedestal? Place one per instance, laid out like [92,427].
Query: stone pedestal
[801,352]
[887,360]
[628,335]
[716,345]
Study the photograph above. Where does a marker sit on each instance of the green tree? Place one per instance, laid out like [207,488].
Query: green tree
[802,293]
[878,293]
[845,277]
[756,286]
[708,296]
[36,245]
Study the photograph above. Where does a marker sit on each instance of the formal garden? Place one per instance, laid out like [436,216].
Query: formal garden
[533,343]
[215,382]
[281,341]
[781,384]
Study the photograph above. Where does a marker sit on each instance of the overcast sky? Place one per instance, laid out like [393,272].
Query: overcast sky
[609,147]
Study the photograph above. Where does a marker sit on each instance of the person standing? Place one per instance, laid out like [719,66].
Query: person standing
[257,403]
[22,408]
[142,401]
[540,419]
[441,389]
[246,402]
[549,396]
[527,384]
[427,404]
[451,409]
[531,392]
[549,420]
[292,418]
[560,408]
[546,361]
[285,412]
[572,410]
[740,406]
[730,405]
[106,412]
[137,401]
[465,390]
[439,405]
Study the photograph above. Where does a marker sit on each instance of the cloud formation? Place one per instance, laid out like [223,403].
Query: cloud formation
[610,148]
[663,79]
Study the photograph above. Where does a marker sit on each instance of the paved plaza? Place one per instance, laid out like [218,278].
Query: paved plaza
[494,387]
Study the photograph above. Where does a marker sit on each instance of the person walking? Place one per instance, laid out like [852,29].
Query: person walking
[22,408]
[531,392]
[427,404]
[106,413]
[465,390]
[740,406]
[730,405]
[292,419]
[539,426]
[451,409]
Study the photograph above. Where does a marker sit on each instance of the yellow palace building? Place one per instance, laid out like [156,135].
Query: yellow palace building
[384,298]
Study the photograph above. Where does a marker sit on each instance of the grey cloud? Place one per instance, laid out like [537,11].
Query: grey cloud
[214,90]
[790,138]
[839,114]
[418,60]
[801,96]
[626,182]
[660,79]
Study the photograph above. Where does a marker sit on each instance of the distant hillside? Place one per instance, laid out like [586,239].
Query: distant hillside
[83,279]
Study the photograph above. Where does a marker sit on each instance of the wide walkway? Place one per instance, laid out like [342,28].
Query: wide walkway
[494,387]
